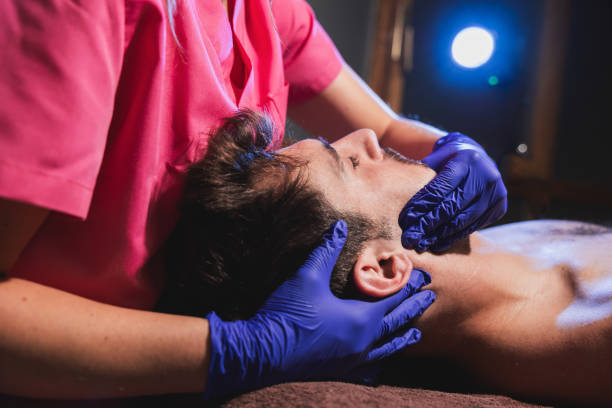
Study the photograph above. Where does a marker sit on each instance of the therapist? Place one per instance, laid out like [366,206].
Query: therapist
[103,105]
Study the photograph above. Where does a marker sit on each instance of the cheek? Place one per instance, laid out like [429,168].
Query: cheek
[345,195]
[391,190]
[407,182]
[383,198]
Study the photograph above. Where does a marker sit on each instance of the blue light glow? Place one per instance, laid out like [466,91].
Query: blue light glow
[472,47]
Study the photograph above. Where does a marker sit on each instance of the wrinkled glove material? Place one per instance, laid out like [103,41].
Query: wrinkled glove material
[467,194]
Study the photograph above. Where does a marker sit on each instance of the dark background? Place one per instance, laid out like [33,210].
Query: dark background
[439,92]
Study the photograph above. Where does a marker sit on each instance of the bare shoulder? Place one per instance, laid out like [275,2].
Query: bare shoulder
[554,341]
[551,228]
[554,242]
[529,235]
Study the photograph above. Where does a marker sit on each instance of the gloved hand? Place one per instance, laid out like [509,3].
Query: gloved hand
[467,194]
[303,331]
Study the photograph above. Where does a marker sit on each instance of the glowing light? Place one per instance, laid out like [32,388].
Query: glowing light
[472,47]
[493,80]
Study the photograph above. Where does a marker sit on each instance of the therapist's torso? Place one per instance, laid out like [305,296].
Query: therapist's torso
[120,110]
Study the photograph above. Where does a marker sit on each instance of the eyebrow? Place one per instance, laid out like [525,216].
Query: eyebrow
[329,148]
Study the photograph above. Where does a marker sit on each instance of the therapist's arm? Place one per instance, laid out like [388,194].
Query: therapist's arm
[57,345]
[348,104]
[53,344]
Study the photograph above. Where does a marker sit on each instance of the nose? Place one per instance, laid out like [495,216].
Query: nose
[362,142]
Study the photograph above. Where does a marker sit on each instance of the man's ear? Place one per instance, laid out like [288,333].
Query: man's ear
[381,269]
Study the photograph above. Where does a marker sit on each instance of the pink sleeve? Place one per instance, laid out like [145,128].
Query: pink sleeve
[311,61]
[60,68]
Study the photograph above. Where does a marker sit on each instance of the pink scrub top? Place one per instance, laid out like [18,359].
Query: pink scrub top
[101,112]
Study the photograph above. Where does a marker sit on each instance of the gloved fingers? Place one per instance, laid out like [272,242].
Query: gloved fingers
[410,308]
[451,177]
[467,182]
[465,217]
[440,213]
[418,279]
[321,261]
[447,145]
[456,226]
[436,159]
[479,215]
[457,138]
[408,337]
[490,216]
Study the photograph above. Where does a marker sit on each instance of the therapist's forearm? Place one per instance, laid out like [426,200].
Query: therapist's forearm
[348,104]
[410,137]
[57,345]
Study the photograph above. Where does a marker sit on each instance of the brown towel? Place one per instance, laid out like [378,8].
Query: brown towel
[339,394]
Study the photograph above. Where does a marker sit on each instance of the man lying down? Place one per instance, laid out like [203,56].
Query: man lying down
[526,308]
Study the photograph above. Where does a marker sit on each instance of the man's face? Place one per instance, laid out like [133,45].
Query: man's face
[356,175]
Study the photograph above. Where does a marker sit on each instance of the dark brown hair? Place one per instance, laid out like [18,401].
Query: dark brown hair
[248,221]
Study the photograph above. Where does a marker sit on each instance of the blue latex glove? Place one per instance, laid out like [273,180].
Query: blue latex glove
[304,332]
[467,194]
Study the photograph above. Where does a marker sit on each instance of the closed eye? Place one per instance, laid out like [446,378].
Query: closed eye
[354,161]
